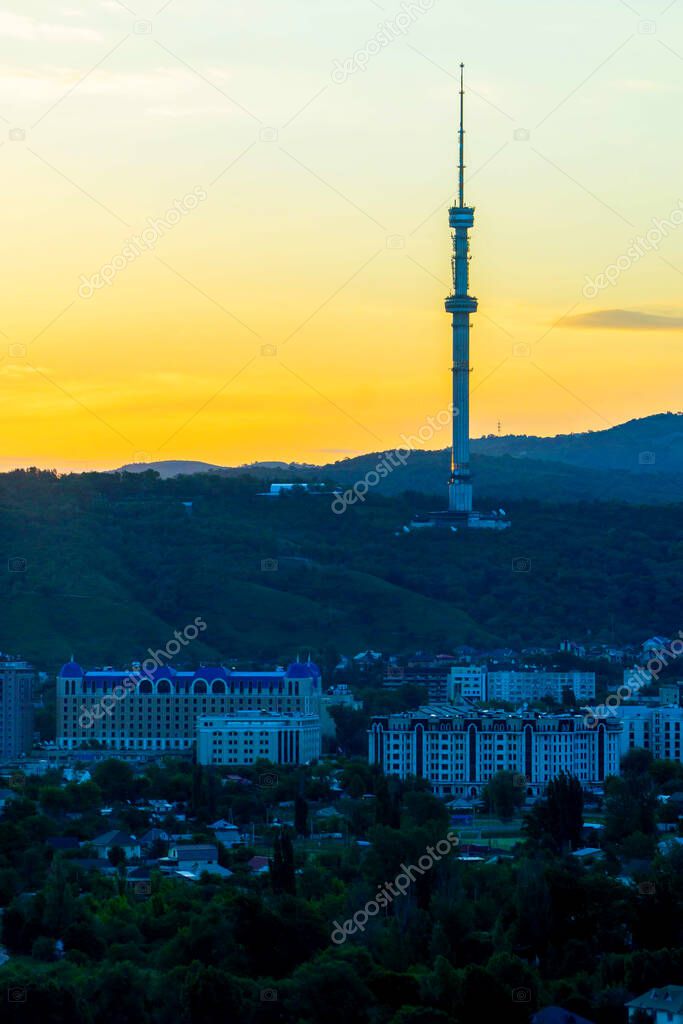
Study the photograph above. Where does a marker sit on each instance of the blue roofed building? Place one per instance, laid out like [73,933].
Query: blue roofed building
[154,708]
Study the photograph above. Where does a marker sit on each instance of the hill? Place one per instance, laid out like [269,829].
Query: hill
[639,462]
[104,566]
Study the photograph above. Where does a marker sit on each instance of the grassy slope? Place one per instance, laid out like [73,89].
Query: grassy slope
[114,565]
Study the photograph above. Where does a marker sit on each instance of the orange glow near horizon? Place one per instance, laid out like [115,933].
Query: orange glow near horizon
[294,309]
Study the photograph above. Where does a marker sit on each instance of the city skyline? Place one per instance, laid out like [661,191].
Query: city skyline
[284,299]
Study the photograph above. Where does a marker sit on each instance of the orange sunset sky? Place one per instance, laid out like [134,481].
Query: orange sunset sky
[296,310]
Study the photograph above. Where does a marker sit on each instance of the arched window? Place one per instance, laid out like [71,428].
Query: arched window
[218,686]
[145,686]
[163,686]
[199,686]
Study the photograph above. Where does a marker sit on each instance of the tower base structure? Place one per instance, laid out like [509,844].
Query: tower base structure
[455,521]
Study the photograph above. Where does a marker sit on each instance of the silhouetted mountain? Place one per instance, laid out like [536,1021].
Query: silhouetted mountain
[638,462]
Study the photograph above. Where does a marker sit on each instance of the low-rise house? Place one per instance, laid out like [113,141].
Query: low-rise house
[225,832]
[189,857]
[663,1005]
[152,836]
[108,840]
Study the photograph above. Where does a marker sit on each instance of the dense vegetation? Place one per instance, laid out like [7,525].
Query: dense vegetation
[463,942]
[105,565]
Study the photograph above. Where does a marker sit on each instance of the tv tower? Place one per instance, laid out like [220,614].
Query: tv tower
[461,305]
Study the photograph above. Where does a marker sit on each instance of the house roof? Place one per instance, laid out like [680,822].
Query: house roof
[258,863]
[556,1015]
[114,838]
[196,852]
[152,834]
[669,998]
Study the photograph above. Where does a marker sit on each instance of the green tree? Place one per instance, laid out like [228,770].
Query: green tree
[503,796]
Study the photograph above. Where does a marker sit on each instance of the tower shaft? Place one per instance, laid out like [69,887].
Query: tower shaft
[460,304]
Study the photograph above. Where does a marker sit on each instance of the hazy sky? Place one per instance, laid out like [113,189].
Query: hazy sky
[298,159]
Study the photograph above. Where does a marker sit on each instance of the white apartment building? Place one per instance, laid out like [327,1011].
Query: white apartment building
[248,736]
[519,687]
[657,729]
[458,752]
[475,682]
[466,681]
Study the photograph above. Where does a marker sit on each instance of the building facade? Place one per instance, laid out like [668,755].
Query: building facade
[475,682]
[459,752]
[249,736]
[16,708]
[657,729]
[158,710]
[517,687]
[466,681]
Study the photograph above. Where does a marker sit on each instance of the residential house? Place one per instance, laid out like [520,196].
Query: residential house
[664,1005]
[108,840]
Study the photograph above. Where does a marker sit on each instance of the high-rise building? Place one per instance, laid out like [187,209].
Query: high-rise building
[16,708]
[158,710]
[459,751]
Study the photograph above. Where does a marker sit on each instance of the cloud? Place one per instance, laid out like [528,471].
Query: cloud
[27,29]
[624,320]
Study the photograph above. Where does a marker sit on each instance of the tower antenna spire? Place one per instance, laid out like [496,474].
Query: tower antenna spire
[461,191]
